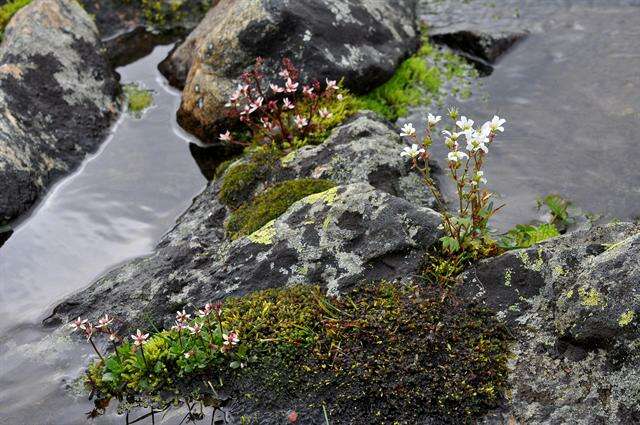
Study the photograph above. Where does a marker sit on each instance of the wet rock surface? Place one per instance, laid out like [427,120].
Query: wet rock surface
[571,303]
[57,96]
[360,40]
[362,229]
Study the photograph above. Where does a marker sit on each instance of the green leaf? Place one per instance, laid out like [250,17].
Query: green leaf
[524,236]
[234,365]
[558,207]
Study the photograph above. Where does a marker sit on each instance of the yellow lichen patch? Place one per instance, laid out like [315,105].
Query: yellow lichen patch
[265,235]
[590,297]
[284,161]
[328,197]
[626,318]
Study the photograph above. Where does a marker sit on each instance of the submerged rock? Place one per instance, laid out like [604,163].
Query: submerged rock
[360,40]
[572,303]
[362,229]
[58,97]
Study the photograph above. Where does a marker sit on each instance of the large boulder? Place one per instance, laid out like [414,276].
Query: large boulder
[572,304]
[363,229]
[360,40]
[58,98]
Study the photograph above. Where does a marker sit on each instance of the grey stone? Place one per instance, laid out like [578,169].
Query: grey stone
[572,303]
[58,98]
[360,40]
[348,234]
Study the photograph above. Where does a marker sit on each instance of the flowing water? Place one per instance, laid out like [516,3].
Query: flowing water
[571,95]
[115,207]
[570,92]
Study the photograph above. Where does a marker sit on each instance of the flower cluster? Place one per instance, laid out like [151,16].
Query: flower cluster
[281,112]
[466,230]
[90,330]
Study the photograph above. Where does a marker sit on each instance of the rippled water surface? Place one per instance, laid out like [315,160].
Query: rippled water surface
[571,94]
[116,206]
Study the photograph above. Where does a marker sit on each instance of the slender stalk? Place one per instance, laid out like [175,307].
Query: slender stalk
[95,348]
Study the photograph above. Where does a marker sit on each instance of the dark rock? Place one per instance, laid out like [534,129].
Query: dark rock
[573,311]
[58,99]
[485,46]
[348,234]
[5,234]
[360,40]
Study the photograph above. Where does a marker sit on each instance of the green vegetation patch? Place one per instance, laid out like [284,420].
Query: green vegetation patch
[524,236]
[241,178]
[7,11]
[162,12]
[420,80]
[272,203]
[382,353]
[138,99]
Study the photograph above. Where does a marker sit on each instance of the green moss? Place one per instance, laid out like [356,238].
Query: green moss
[590,297]
[138,99]
[7,11]
[372,356]
[272,203]
[241,178]
[419,81]
[160,13]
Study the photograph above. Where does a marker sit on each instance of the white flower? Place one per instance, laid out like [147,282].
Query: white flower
[477,141]
[331,84]
[456,156]
[479,177]
[276,88]
[340,96]
[412,152]
[407,130]
[433,120]
[104,321]
[301,122]
[182,316]
[139,338]
[287,103]
[290,86]
[324,113]
[225,137]
[196,329]
[465,124]
[284,73]
[307,90]
[495,124]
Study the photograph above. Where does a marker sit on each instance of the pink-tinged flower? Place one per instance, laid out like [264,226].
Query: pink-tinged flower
[301,122]
[196,329]
[247,110]
[255,104]
[139,338]
[208,308]
[178,326]
[225,137]
[266,123]
[308,91]
[292,417]
[284,73]
[290,86]
[324,113]
[105,321]
[331,84]
[231,338]
[189,354]
[243,88]
[276,88]
[217,307]
[287,103]
[89,330]
[79,324]
[182,316]
[113,337]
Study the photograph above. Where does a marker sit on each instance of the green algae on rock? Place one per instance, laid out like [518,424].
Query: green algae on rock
[272,203]
[138,99]
[381,353]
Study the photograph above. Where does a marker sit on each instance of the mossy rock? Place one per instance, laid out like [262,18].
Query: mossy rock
[240,179]
[7,11]
[138,99]
[381,353]
[271,204]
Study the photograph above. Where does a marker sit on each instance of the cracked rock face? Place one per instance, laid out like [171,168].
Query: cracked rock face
[572,303]
[361,230]
[360,40]
[57,97]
